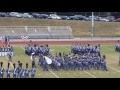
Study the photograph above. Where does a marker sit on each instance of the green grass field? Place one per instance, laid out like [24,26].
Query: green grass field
[107,49]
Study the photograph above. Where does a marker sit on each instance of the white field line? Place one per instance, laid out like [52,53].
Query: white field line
[36,68]
[84,71]
[114,69]
[52,72]
[49,70]
[109,66]
[90,74]
[111,56]
[114,61]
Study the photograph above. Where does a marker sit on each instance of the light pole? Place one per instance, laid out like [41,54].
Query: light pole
[92,28]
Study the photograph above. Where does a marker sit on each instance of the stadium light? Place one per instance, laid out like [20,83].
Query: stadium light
[92,28]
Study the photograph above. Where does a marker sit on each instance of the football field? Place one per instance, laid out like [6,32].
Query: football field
[112,59]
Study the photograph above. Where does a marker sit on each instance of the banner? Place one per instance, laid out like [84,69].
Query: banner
[24,37]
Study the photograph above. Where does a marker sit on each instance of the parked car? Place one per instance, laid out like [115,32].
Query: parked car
[44,16]
[111,18]
[35,15]
[54,16]
[3,14]
[26,15]
[79,17]
[15,14]
[118,19]
[73,18]
[104,20]
[64,17]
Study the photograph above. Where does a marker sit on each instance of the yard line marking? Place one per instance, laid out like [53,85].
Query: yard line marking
[52,72]
[84,71]
[22,48]
[114,61]
[90,74]
[36,68]
[114,69]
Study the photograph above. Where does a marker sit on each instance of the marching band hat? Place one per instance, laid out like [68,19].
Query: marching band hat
[26,65]
[1,64]
[8,65]
[14,65]
[18,61]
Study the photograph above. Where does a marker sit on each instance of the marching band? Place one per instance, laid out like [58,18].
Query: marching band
[4,51]
[18,72]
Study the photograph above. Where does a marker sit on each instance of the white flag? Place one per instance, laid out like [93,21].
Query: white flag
[48,60]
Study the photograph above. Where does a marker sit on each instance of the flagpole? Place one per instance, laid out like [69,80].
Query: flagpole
[92,29]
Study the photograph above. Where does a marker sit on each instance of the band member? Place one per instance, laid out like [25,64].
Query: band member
[33,59]
[8,71]
[9,56]
[14,71]
[119,61]
[3,54]
[27,71]
[23,73]
[33,71]
[5,51]
[1,71]
[18,69]
[0,51]
[11,50]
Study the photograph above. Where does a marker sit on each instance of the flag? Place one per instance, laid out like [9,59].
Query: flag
[48,60]
[5,41]
[8,40]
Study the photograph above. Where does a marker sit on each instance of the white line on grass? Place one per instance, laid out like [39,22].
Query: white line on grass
[52,72]
[84,71]
[115,58]
[49,70]
[114,69]
[37,59]
[90,74]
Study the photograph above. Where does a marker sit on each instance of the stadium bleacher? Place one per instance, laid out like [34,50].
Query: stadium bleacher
[38,32]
